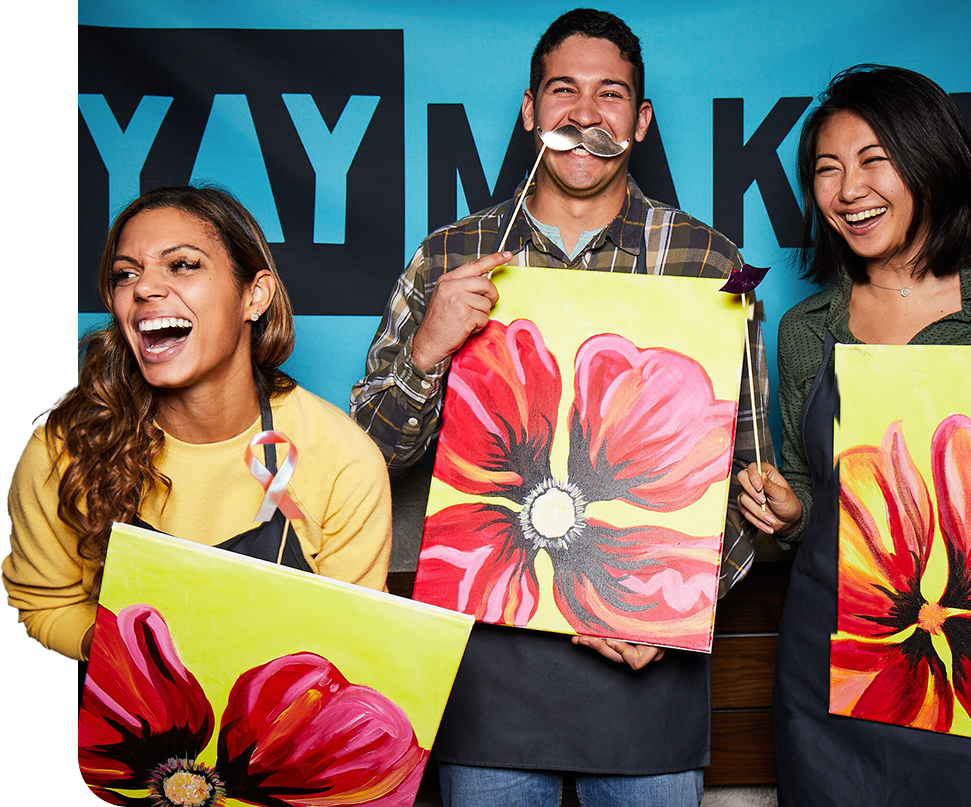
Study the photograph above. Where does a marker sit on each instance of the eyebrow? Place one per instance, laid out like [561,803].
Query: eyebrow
[163,254]
[861,151]
[604,82]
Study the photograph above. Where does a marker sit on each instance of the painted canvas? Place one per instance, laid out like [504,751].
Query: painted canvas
[582,471]
[216,679]
[902,653]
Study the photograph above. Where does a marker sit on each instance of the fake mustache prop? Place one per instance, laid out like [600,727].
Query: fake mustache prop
[594,140]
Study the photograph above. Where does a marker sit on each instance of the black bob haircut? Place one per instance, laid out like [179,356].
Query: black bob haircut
[596,25]
[928,143]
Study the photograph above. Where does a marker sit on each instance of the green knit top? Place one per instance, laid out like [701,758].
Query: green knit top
[802,331]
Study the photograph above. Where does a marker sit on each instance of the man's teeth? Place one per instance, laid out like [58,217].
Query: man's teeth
[863,215]
[163,322]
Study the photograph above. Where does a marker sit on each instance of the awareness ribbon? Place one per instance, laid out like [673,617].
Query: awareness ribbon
[275,485]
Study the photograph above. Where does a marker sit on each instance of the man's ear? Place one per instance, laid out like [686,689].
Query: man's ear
[643,123]
[528,111]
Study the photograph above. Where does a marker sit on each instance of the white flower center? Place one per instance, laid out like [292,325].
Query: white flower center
[185,787]
[552,514]
[184,782]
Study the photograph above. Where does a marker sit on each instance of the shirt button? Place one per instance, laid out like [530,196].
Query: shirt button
[412,421]
[426,384]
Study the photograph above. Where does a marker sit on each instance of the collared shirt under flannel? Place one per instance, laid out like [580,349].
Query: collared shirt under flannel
[400,406]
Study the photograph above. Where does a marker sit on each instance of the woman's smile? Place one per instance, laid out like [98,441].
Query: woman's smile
[160,335]
[179,304]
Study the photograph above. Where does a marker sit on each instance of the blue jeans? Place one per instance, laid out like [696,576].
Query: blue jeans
[467,786]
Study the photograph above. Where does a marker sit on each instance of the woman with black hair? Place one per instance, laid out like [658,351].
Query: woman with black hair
[885,173]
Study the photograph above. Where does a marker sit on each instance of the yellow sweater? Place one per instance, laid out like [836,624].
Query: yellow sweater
[340,483]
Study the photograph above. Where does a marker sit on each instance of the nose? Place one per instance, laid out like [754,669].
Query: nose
[150,284]
[852,186]
[585,112]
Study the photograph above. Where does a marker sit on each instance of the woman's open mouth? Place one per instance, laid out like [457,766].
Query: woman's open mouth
[163,333]
[863,218]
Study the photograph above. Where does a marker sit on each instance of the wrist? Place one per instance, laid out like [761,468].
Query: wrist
[423,357]
[790,525]
[419,386]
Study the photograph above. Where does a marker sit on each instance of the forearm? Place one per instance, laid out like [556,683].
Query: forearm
[399,407]
[793,391]
[397,403]
[57,612]
[801,484]
[46,579]
[62,630]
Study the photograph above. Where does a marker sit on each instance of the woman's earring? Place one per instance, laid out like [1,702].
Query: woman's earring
[255,315]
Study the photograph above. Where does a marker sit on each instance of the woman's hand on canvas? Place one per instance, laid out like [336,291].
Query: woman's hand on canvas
[635,656]
[783,510]
[459,307]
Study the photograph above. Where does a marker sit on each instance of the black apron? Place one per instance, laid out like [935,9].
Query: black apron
[263,540]
[533,700]
[825,759]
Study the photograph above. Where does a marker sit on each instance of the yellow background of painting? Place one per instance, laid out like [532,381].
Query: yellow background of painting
[228,613]
[919,385]
[689,315]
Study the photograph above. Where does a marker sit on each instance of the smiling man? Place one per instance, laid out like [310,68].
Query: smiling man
[628,722]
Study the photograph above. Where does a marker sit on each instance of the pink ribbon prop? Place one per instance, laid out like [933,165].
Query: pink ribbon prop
[275,485]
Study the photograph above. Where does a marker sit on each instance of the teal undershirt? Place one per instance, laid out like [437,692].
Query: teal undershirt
[553,234]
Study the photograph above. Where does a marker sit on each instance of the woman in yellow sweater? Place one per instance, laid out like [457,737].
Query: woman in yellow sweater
[169,396]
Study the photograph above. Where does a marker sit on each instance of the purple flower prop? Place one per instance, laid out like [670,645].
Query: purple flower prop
[745,279]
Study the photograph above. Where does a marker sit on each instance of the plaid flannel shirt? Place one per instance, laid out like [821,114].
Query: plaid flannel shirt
[400,406]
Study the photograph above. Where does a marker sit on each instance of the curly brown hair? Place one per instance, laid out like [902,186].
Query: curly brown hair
[103,431]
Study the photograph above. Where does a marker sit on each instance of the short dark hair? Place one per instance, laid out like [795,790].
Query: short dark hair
[929,145]
[597,25]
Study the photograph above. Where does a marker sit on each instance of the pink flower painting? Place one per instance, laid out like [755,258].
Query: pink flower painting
[644,434]
[294,732]
[903,652]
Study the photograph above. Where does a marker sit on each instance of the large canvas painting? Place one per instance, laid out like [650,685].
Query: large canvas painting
[902,653]
[582,471]
[216,680]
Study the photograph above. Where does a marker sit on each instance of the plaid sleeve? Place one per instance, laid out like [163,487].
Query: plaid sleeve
[396,403]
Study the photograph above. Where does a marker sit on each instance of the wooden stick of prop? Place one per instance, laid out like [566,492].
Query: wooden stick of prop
[283,542]
[519,203]
[751,392]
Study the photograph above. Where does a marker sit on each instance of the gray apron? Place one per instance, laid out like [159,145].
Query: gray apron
[826,760]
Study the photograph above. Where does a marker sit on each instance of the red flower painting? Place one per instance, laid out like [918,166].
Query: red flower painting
[294,730]
[644,429]
[904,651]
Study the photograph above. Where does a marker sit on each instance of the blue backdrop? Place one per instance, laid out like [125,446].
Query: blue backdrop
[353,128]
